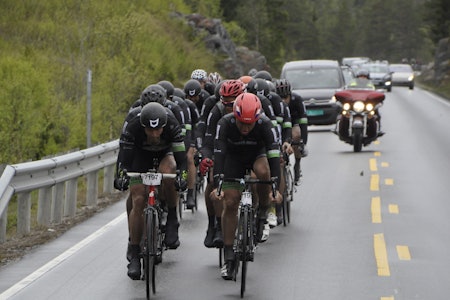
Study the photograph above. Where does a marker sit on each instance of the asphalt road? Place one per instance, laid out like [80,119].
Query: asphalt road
[368,225]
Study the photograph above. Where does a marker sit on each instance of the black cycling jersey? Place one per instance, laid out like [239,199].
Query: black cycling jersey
[233,152]
[133,144]
[201,127]
[298,115]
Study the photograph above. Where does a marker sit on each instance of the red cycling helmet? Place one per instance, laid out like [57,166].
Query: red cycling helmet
[231,88]
[247,108]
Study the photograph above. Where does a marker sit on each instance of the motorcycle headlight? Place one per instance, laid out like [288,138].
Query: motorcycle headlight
[346,106]
[358,106]
[369,106]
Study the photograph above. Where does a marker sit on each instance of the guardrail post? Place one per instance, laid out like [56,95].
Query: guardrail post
[92,188]
[108,178]
[23,213]
[70,206]
[3,219]
[44,206]
[57,203]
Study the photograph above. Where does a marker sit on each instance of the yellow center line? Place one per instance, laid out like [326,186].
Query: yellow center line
[377,153]
[403,253]
[387,298]
[379,246]
[393,208]
[385,164]
[389,181]
[376,210]
[374,182]
[373,164]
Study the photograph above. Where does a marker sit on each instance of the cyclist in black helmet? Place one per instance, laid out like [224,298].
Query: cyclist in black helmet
[153,134]
[299,122]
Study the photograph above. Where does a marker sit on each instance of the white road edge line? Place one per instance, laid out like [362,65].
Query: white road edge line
[59,259]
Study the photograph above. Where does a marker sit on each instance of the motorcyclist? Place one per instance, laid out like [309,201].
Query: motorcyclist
[362,80]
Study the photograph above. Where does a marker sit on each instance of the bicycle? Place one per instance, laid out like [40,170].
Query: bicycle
[245,241]
[153,240]
[289,189]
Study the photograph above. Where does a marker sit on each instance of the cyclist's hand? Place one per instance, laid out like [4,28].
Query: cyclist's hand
[121,183]
[205,164]
[278,197]
[286,147]
[213,195]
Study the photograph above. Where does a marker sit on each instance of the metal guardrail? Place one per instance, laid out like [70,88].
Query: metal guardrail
[56,179]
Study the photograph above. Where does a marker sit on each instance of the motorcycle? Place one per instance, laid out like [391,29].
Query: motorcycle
[359,121]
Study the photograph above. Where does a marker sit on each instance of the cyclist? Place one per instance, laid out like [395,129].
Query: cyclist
[245,139]
[299,122]
[154,134]
[229,90]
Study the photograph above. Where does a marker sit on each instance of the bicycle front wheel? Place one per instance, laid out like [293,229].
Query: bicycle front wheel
[245,236]
[150,252]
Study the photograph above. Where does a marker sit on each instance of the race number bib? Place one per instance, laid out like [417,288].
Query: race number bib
[151,178]
[246,198]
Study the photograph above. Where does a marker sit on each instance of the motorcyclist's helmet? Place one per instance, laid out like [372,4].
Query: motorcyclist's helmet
[168,86]
[153,93]
[264,75]
[192,88]
[199,74]
[231,88]
[262,87]
[247,108]
[363,74]
[283,88]
[153,115]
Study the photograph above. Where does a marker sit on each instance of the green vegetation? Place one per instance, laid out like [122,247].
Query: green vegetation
[47,48]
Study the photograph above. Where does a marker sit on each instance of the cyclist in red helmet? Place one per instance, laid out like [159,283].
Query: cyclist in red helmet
[245,139]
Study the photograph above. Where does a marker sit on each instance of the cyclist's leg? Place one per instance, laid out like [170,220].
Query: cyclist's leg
[135,226]
[296,137]
[168,165]
[229,224]
[192,174]
[262,171]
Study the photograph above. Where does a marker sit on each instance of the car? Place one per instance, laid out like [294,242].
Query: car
[380,74]
[402,75]
[351,61]
[316,81]
[349,74]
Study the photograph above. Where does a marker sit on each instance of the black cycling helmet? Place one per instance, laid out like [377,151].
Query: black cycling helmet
[168,86]
[264,75]
[262,87]
[153,93]
[192,88]
[283,87]
[363,73]
[153,115]
[179,93]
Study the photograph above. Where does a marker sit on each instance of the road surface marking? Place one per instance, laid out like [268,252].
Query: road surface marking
[377,153]
[59,259]
[376,210]
[403,253]
[387,298]
[389,181]
[373,164]
[379,246]
[385,164]
[393,208]
[374,182]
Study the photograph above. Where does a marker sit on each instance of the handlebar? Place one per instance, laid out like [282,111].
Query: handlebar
[247,180]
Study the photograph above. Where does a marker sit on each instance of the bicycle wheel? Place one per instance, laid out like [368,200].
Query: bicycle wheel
[181,202]
[245,228]
[149,252]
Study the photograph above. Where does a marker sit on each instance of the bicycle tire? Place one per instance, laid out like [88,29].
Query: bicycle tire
[149,253]
[245,227]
